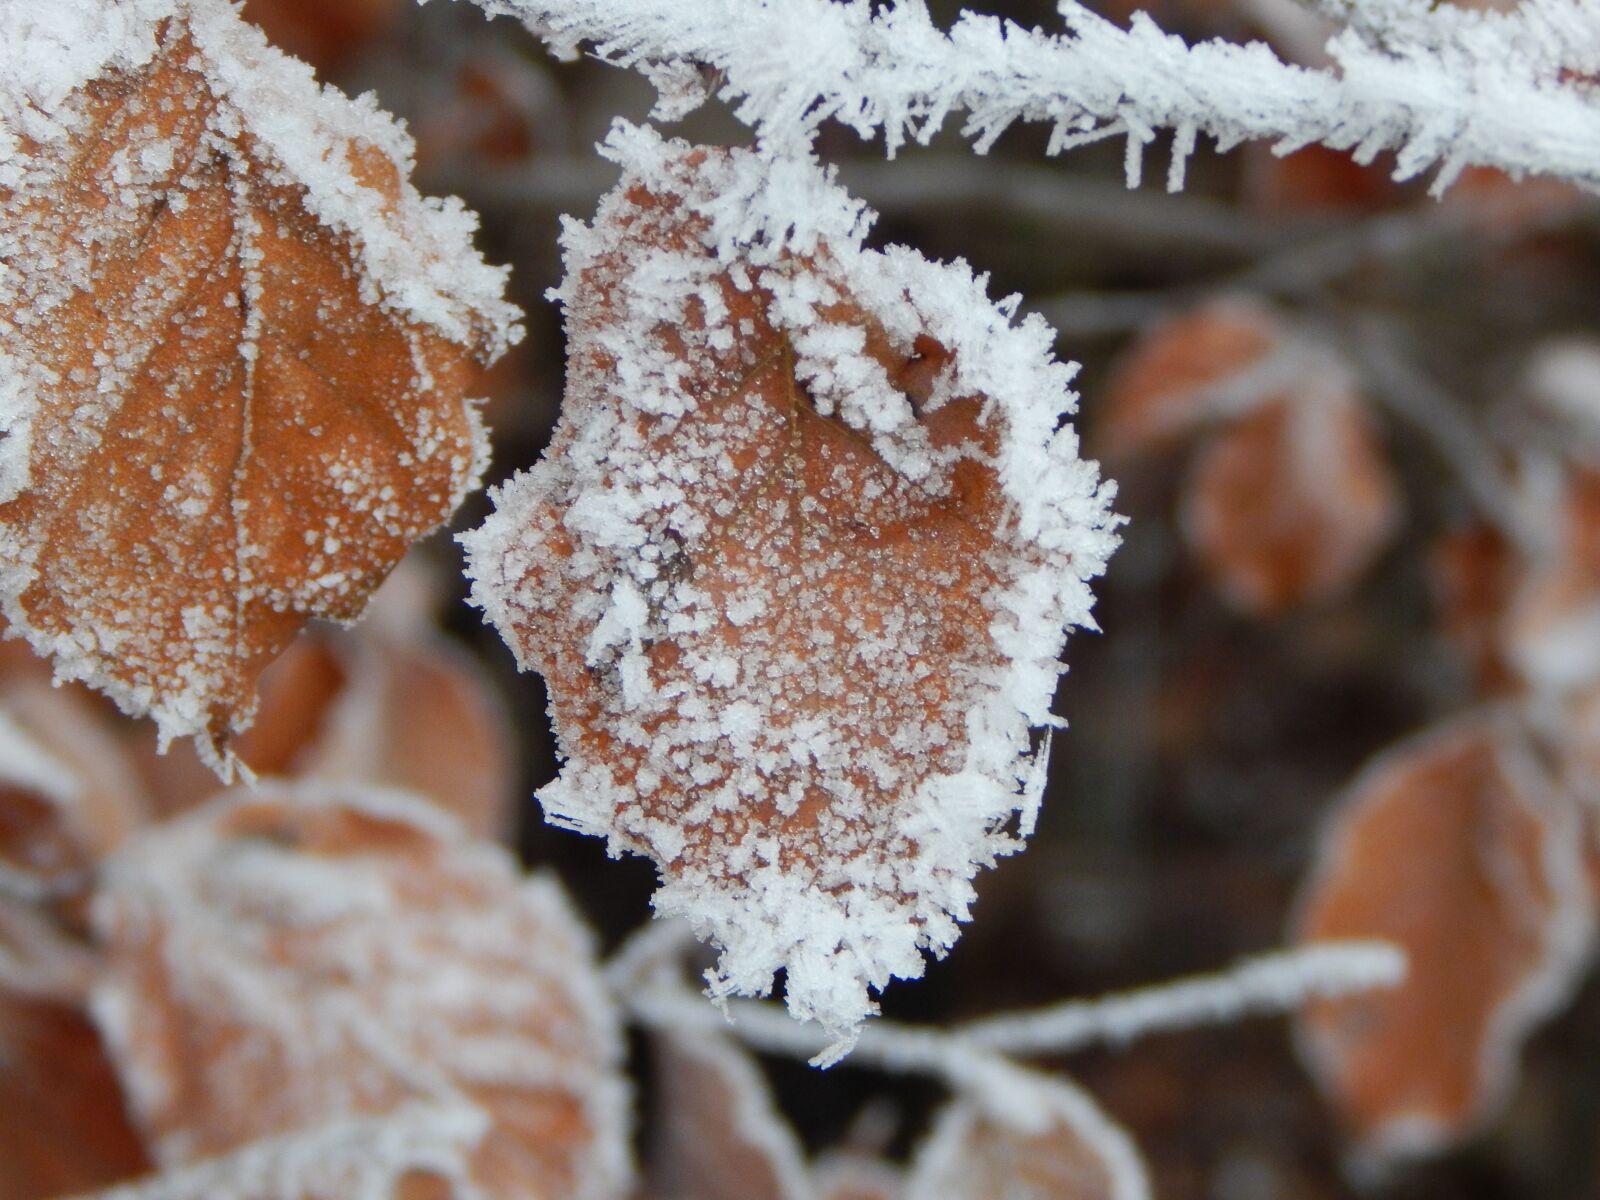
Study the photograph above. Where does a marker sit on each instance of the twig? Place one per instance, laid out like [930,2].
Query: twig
[1272,983]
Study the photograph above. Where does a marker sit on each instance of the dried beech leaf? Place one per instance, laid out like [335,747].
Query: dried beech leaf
[64,1126]
[1290,505]
[718,1136]
[290,957]
[1048,1141]
[1177,377]
[1457,848]
[233,348]
[796,570]
[69,793]
[1316,180]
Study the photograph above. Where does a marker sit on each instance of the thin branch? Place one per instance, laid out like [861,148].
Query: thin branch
[1272,983]
[1447,87]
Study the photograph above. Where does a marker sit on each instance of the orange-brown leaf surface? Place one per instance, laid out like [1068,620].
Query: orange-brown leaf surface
[1473,574]
[1457,848]
[1047,1142]
[1290,505]
[795,577]
[65,1127]
[718,1136]
[1173,380]
[325,35]
[289,958]
[236,346]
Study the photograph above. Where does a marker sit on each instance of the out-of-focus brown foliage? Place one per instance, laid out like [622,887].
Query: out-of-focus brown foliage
[1457,847]
[326,35]
[1290,495]
[286,958]
[1288,506]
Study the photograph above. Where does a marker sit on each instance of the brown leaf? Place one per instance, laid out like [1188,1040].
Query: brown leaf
[1289,506]
[1316,180]
[1457,848]
[1045,1140]
[1171,381]
[718,1136]
[796,585]
[325,35]
[289,958]
[65,1128]
[389,702]
[241,343]
[853,1177]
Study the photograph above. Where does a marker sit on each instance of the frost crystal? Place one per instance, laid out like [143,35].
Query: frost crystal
[1436,84]
[797,568]
[234,346]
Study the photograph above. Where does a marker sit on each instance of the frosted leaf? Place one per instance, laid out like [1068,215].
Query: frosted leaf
[291,957]
[1187,372]
[1457,848]
[1289,506]
[718,1136]
[327,36]
[796,568]
[233,349]
[64,1126]
[1048,1141]
[1473,572]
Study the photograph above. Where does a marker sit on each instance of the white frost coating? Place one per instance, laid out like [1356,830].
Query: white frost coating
[972,1145]
[388,996]
[25,764]
[255,121]
[714,1096]
[1274,983]
[355,1159]
[1446,86]
[417,251]
[889,873]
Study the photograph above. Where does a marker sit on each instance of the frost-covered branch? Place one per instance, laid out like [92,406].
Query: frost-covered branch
[1448,87]
[1273,983]
[645,980]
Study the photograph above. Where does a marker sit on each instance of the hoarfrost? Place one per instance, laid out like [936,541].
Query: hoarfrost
[797,568]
